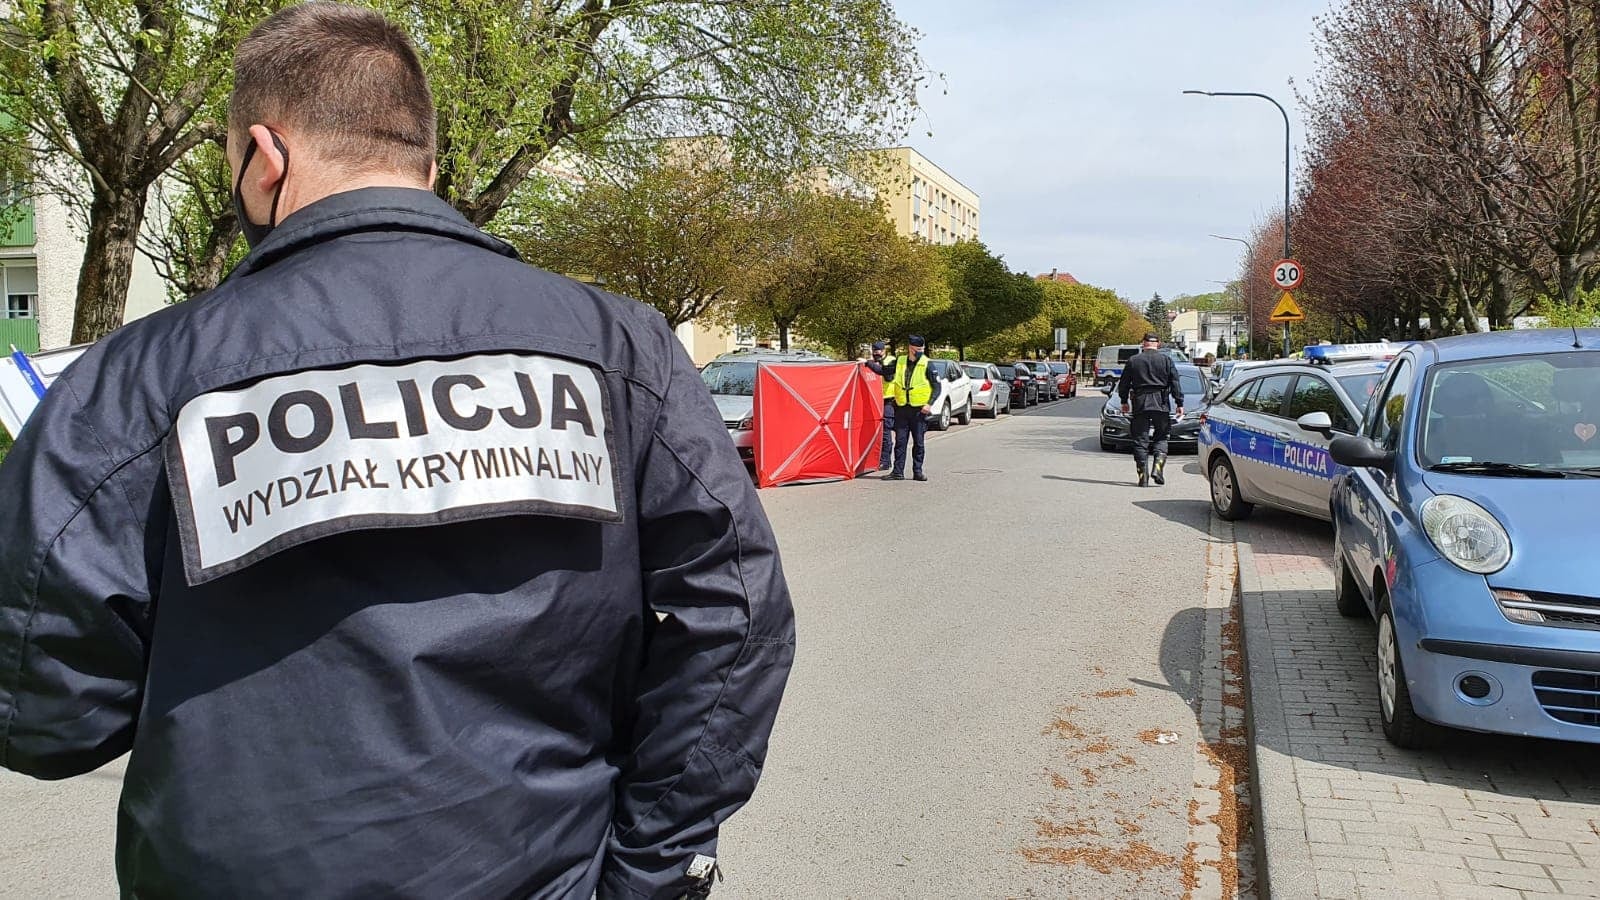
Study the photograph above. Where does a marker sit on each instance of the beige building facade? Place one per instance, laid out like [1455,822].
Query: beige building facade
[924,200]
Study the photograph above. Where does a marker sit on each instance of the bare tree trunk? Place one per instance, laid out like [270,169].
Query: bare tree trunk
[114,220]
[783,335]
[1570,274]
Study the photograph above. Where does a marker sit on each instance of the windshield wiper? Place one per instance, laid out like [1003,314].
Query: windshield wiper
[1510,470]
[1582,471]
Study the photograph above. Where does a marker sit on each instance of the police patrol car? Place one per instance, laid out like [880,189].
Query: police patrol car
[1265,438]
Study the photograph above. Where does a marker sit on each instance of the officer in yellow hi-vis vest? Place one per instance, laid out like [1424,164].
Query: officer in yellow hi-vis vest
[915,391]
[882,362]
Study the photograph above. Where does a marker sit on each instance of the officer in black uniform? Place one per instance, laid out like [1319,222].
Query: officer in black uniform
[401,568]
[1148,380]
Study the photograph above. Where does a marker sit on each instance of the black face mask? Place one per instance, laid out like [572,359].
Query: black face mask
[254,234]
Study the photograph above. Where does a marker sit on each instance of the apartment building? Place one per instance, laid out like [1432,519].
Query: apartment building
[924,200]
[41,251]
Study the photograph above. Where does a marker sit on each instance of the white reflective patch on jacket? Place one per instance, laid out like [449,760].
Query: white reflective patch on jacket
[297,457]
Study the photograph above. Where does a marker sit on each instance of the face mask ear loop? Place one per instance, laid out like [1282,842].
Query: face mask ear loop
[244,166]
[272,216]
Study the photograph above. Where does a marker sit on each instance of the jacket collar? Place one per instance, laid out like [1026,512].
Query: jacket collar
[366,209]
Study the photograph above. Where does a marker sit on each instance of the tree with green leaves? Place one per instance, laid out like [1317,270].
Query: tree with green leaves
[130,89]
[677,234]
[1092,315]
[817,250]
[985,298]
[1155,312]
[890,307]
[108,96]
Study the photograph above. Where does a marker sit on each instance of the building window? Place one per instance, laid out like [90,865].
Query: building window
[21,286]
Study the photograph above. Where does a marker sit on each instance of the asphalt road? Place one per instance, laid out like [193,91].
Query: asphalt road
[988,665]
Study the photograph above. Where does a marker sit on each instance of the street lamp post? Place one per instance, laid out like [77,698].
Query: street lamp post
[1287,162]
[1249,294]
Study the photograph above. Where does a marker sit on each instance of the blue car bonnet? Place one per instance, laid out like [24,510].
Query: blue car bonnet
[1551,523]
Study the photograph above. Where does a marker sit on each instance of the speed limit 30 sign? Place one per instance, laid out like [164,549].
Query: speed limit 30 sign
[1287,274]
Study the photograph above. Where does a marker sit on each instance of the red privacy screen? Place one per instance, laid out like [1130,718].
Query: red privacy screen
[816,422]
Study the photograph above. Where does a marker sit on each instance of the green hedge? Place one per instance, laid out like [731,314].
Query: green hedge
[5,443]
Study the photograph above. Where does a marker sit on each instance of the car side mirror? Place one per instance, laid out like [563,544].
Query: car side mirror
[1360,452]
[953,376]
[1107,389]
[1316,423]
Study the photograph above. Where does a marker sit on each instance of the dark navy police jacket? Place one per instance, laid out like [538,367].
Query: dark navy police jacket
[403,569]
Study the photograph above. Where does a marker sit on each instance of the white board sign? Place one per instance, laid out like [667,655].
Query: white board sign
[17,397]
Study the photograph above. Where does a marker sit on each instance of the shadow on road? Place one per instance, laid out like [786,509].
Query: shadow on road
[1096,481]
[1194,513]
[1181,656]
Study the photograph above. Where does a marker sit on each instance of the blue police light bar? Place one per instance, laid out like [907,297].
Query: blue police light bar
[1332,353]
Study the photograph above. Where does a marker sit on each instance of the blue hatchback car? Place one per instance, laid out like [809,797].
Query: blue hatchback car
[1468,525]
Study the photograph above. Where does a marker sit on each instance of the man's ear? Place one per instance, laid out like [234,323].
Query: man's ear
[273,165]
[433,173]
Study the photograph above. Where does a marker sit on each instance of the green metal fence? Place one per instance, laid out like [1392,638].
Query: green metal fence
[23,333]
[16,226]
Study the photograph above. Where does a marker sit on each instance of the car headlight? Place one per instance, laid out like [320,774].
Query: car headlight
[1466,534]
[747,423]
[1114,412]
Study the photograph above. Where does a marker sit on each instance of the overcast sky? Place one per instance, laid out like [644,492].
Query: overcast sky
[1068,120]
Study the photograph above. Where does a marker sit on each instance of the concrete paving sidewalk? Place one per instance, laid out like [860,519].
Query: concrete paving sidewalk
[1342,813]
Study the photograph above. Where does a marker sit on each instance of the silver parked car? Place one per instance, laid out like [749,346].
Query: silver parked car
[991,393]
[731,378]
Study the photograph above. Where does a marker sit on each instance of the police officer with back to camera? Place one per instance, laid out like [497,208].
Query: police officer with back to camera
[1148,380]
[882,363]
[400,567]
[915,391]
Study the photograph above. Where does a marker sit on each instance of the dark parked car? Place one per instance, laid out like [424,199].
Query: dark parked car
[1024,386]
[1043,377]
[1185,435]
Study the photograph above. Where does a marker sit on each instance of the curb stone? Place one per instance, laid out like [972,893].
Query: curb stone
[1283,852]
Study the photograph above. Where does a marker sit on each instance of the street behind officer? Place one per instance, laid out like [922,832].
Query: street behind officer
[882,362]
[1148,380]
[402,568]
[915,391]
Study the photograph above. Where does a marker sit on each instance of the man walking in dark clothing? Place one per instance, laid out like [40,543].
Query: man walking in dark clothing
[1148,380]
[915,391]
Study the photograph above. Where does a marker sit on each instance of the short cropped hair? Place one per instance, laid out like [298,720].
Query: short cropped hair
[344,75]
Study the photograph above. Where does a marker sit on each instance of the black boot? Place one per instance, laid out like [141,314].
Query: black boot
[1144,473]
[1159,470]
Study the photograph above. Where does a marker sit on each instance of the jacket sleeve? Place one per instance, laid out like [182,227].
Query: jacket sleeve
[1174,383]
[1125,383]
[718,658]
[75,589]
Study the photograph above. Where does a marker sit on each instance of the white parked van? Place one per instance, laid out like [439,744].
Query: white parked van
[1108,362]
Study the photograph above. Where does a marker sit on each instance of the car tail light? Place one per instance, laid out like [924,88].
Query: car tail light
[987,385]
[1202,418]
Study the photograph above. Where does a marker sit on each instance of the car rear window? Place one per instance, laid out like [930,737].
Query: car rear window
[736,379]
[976,371]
